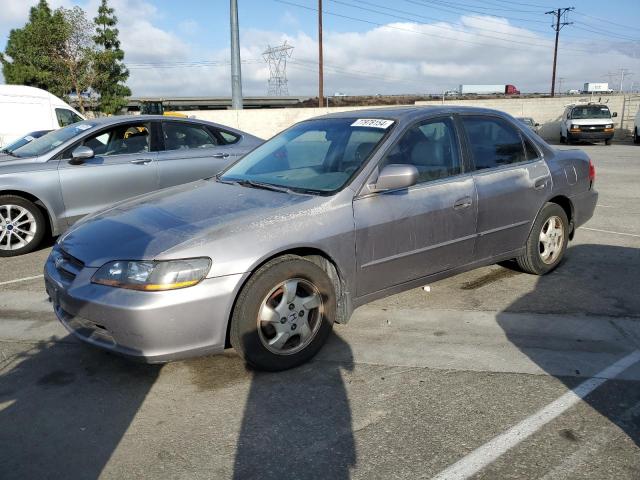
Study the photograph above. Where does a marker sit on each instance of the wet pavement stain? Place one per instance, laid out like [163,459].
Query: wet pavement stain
[489,278]
[217,371]
[569,434]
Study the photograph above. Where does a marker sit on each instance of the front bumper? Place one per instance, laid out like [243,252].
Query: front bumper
[597,136]
[150,326]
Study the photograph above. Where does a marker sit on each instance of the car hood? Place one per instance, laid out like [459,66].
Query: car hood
[11,163]
[145,227]
[592,121]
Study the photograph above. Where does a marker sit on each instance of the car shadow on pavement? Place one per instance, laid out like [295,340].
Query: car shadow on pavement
[584,320]
[297,424]
[64,408]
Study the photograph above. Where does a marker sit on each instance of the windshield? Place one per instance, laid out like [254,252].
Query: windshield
[318,155]
[590,111]
[52,140]
[23,141]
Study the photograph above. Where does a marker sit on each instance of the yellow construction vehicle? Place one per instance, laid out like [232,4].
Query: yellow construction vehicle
[156,107]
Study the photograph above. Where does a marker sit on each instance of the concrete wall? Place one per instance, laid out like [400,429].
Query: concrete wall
[266,122]
[547,111]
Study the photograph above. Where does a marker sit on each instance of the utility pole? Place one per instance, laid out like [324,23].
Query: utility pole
[320,60]
[623,72]
[236,74]
[557,26]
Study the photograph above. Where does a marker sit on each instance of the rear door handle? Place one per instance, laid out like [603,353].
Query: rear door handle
[141,161]
[220,155]
[540,183]
[462,203]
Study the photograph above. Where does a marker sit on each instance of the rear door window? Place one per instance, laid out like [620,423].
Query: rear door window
[493,141]
[186,136]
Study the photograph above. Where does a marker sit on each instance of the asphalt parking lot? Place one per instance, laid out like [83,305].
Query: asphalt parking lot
[492,374]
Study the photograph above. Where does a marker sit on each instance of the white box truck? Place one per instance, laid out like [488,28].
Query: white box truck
[501,89]
[601,87]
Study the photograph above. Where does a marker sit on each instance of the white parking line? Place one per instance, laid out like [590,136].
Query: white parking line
[25,279]
[612,232]
[492,450]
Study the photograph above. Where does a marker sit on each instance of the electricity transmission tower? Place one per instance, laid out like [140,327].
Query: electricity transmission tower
[276,58]
[557,26]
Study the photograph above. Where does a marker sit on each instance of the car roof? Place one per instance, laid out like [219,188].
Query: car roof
[409,113]
[116,119]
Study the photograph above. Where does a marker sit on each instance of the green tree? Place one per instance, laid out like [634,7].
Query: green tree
[78,53]
[111,80]
[32,52]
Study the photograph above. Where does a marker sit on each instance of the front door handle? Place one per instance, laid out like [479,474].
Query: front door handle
[141,161]
[540,183]
[220,155]
[462,203]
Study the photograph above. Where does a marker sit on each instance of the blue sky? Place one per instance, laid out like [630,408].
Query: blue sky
[371,46]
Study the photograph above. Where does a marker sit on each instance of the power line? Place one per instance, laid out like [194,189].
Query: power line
[393,27]
[509,40]
[427,18]
[557,26]
[607,21]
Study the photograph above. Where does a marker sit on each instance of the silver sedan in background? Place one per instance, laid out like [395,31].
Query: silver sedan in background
[52,181]
[331,214]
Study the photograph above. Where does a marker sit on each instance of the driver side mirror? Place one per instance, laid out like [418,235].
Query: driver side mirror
[394,177]
[80,154]
[614,114]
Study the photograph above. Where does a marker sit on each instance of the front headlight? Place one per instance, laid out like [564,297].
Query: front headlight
[608,126]
[153,276]
[575,127]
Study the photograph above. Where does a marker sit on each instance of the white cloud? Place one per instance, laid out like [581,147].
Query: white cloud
[401,57]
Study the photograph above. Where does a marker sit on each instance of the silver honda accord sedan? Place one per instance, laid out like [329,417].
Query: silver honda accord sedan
[328,215]
[51,181]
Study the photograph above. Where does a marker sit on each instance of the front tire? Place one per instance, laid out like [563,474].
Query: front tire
[284,314]
[636,137]
[22,226]
[607,141]
[547,241]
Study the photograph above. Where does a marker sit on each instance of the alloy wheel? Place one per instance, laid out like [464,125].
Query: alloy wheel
[290,316]
[17,227]
[551,240]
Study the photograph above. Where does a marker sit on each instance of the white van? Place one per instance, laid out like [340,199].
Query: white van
[28,109]
[587,121]
[636,128]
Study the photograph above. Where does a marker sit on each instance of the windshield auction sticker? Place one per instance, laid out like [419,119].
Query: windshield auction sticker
[372,122]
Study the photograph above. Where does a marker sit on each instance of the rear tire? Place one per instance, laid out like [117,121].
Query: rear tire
[547,241]
[22,226]
[284,314]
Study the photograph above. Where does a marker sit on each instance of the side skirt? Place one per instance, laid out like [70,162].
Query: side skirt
[402,287]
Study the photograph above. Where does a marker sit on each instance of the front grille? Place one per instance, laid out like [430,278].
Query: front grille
[592,128]
[67,265]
